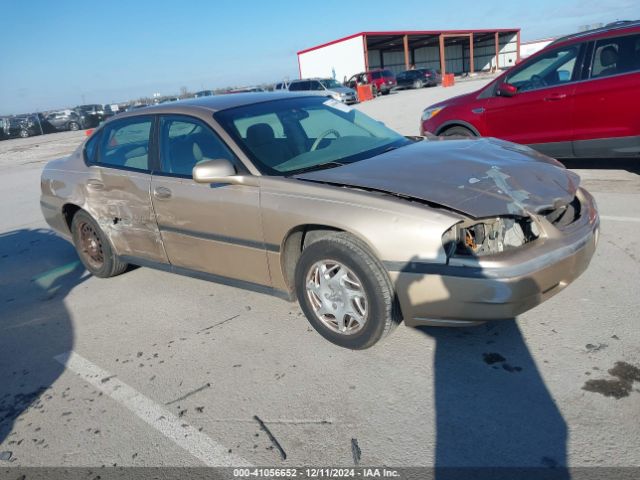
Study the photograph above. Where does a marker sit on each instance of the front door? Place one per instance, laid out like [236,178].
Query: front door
[214,228]
[541,112]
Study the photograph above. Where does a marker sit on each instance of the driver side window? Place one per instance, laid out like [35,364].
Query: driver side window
[185,142]
[551,69]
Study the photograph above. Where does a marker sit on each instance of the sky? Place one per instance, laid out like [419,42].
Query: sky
[57,54]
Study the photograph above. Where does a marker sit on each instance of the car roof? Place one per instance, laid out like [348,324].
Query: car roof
[213,103]
[602,31]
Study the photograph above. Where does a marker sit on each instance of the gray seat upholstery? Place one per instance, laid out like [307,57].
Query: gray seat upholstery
[609,60]
[263,143]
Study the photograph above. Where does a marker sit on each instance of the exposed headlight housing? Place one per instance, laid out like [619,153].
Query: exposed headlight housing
[489,236]
[429,113]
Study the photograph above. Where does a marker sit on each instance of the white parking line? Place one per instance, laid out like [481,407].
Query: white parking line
[189,438]
[620,219]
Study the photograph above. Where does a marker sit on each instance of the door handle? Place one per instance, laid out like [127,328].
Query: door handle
[162,193]
[555,96]
[95,184]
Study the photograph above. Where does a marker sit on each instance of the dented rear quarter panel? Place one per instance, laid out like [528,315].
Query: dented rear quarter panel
[122,209]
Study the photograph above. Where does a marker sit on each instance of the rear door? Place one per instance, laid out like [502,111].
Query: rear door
[607,103]
[117,187]
[215,229]
[541,112]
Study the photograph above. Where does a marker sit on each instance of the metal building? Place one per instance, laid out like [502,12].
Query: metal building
[450,51]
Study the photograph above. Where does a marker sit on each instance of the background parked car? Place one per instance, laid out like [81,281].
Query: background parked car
[20,126]
[381,81]
[578,97]
[284,85]
[92,115]
[64,120]
[325,86]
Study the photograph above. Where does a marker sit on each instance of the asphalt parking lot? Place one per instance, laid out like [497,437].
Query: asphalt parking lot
[167,370]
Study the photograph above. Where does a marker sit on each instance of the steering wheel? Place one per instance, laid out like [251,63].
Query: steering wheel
[537,81]
[322,136]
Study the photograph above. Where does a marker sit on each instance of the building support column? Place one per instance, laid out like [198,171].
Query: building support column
[497,42]
[366,53]
[471,61]
[442,59]
[406,52]
[518,51]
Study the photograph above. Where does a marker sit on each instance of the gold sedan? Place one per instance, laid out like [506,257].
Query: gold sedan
[307,198]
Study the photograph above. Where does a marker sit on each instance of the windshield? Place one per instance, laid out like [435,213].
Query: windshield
[284,137]
[330,83]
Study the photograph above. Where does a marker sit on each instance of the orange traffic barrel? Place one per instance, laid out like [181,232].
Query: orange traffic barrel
[365,93]
[448,80]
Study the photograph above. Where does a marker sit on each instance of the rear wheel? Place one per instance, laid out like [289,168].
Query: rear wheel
[418,84]
[344,292]
[93,247]
[73,126]
[458,132]
[24,133]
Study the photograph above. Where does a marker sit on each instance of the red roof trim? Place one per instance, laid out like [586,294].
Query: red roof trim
[317,47]
[409,32]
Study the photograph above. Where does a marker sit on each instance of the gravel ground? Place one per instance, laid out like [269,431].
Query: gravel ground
[170,370]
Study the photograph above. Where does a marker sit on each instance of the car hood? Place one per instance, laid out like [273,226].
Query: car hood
[342,90]
[480,178]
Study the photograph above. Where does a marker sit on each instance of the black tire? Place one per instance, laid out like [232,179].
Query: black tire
[382,311]
[24,133]
[110,265]
[458,132]
[418,84]
[73,126]
[386,92]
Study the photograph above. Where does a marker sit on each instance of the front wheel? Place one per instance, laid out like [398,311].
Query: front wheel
[344,292]
[93,247]
[73,126]
[24,133]
[418,84]
[374,91]
[458,132]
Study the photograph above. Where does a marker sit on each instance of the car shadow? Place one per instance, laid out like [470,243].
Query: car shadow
[631,165]
[494,416]
[39,269]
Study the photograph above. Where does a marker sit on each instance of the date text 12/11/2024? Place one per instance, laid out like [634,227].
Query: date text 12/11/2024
[316,472]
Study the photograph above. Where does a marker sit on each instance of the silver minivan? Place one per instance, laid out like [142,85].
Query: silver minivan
[325,86]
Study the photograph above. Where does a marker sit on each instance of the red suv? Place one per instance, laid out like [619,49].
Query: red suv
[578,97]
[381,80]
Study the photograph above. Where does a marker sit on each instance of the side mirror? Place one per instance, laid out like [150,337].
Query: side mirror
[507,90]
[219,170]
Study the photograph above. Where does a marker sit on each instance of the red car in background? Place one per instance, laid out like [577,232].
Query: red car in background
[382,81]
[578,97]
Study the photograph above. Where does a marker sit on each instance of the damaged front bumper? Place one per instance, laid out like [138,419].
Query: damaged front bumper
[502,286]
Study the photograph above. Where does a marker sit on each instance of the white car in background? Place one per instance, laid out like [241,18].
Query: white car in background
[327,87]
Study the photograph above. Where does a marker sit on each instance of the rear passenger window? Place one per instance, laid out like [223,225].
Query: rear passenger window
[185,142]
[299,86]
[613,56]
[90,149]
[125,143]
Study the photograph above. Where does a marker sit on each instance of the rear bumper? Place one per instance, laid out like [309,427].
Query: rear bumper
[502,288]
